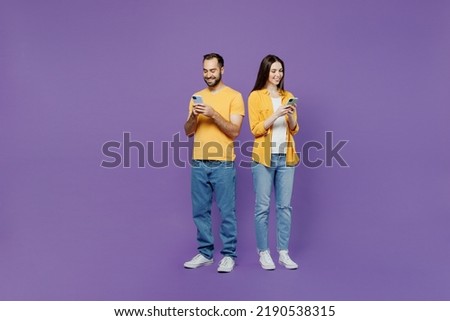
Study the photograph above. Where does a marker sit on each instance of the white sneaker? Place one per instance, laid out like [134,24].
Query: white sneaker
[266,260]
[197,261]
[226,265]
[286,260]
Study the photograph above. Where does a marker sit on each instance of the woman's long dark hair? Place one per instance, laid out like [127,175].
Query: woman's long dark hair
[264,70]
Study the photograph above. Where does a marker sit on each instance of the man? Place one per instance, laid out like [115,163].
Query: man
[215,122]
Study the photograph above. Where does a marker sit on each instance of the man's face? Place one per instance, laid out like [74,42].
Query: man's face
[212,72]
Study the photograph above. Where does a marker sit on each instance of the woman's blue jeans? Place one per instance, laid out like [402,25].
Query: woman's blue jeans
[282,178]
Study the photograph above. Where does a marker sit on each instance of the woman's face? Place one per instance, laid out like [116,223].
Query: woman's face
[275,74]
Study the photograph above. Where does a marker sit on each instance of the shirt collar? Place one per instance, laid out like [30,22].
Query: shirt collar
[280,92]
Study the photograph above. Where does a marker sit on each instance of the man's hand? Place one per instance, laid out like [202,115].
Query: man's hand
[205,110]
[191,123]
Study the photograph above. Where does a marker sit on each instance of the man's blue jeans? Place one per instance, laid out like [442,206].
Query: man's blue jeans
[282,178]
[218,177]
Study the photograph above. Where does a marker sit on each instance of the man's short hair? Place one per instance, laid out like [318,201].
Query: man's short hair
[214,55]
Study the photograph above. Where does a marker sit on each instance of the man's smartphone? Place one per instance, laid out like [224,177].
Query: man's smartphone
[197,99]
[292,101]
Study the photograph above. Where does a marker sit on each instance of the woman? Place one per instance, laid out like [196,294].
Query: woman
[273,123]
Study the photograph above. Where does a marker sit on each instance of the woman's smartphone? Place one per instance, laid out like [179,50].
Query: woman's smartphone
[292,101]
[197,99]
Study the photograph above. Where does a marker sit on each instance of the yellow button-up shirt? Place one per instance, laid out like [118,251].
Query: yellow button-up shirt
[259,109]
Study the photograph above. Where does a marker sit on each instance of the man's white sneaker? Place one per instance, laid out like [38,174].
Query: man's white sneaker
[197,261]
[266,260]
[226,265]
[286,261]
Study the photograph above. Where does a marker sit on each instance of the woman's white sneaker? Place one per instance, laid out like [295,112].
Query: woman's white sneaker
[266,260]
[286,261]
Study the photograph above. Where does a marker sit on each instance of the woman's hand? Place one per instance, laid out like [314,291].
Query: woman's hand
[291,120]
[282,111]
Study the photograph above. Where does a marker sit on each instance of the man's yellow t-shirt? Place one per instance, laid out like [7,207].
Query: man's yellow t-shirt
[210,143]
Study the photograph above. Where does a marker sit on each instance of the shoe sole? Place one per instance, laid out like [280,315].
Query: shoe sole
[268,268]
[190,267]
[288,266]
[225,271]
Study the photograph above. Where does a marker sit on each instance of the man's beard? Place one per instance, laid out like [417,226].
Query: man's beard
[215,82]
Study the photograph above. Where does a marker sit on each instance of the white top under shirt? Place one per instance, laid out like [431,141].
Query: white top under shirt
[278,130]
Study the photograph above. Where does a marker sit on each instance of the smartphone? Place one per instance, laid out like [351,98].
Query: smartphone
[197,99]
[292,101]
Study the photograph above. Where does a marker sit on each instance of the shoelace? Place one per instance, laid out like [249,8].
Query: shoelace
[287,259]
[266,257]
[226,261]
[198,257]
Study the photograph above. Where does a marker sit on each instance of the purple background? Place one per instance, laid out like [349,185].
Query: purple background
[76,74]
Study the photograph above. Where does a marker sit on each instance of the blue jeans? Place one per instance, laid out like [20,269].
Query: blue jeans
[282,178]
[208,177]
